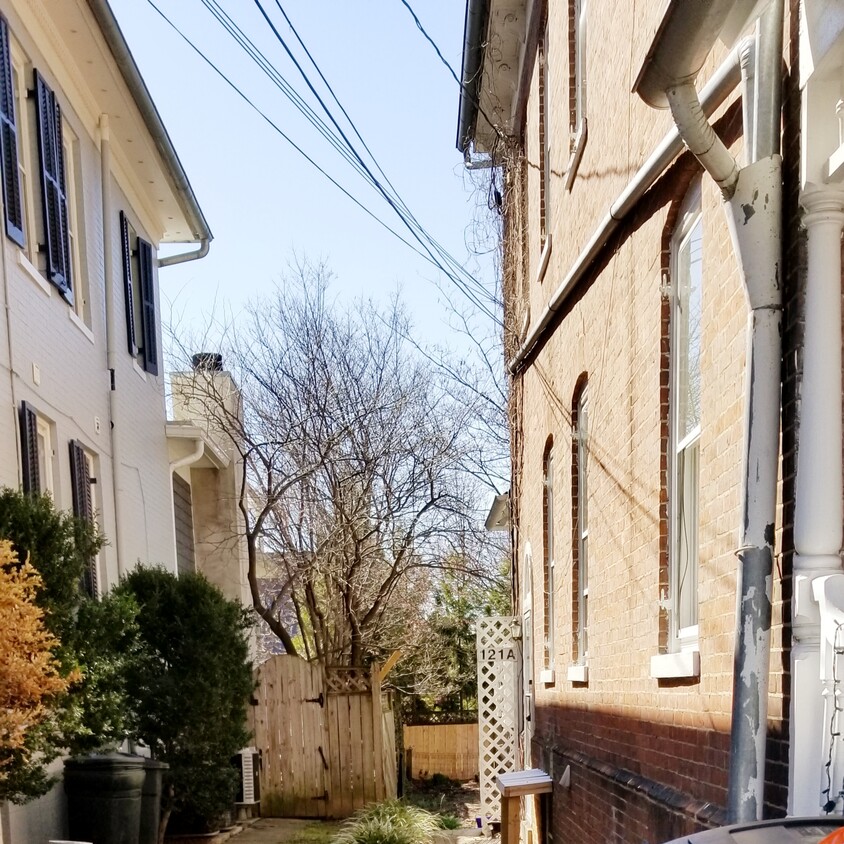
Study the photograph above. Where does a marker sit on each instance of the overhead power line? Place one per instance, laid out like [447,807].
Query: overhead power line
[281,132]
[463,86]
[425,240]
[430,250]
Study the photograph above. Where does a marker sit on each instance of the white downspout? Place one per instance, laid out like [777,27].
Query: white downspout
[754,210]
[110,285]
[187,460]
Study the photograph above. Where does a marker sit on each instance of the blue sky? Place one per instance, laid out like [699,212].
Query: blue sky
[263,202]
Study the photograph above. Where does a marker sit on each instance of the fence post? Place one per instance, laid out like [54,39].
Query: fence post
[377,733]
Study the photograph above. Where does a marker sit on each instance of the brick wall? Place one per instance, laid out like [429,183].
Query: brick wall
[649,758]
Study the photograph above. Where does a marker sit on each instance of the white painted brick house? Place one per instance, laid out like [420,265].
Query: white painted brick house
[91,187]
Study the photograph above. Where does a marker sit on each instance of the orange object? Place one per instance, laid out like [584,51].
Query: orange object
[836,837]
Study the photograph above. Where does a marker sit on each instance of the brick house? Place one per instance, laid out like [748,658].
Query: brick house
[672,337]
[91,188]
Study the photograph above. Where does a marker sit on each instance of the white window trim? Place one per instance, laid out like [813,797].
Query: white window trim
[544,259]
[548,644]
[70,142]
[22,70]
[675,665]
[680,640]
[578,130]
[77,321]
[547,138]
[34,273]
[582,528]
[93,469]
[578,673]
[45,434]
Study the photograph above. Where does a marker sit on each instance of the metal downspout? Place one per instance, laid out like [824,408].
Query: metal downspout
[111,346]
[754,211]
[183,257]
[756,223]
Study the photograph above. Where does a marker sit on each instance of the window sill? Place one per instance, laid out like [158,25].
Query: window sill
[577,153]
[546,676]
[138,369]
[675,665]
[32,271]
[80,324]
[578,674]
[544,258]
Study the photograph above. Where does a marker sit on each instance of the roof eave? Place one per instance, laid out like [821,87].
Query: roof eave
[140,94]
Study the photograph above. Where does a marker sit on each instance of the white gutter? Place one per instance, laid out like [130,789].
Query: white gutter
[183,257]
[196,454]
[754,211]
[138,89]
[722,84]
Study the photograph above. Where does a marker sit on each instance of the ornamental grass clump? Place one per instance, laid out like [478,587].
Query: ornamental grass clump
[391,822]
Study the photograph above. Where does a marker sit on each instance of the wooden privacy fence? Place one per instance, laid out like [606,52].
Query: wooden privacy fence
[326,736]
[448,749]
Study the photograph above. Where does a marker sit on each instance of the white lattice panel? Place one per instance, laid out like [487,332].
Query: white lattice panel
[499,690]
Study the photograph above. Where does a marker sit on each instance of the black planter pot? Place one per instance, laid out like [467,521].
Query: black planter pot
[104,797]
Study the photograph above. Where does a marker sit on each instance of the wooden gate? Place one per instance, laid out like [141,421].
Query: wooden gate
[327,739]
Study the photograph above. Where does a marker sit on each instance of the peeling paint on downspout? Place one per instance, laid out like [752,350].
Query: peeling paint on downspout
[753,202]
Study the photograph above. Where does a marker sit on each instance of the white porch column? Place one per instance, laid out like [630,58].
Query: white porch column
[819,497]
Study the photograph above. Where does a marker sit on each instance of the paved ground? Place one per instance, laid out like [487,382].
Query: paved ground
[271,831]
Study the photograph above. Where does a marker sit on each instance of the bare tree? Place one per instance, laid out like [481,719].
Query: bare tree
[353,445]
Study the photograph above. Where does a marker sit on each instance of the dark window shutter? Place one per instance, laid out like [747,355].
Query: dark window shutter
[53,190]
[12,198]
[29,450]
[83,507]
[128,291]
[147,279]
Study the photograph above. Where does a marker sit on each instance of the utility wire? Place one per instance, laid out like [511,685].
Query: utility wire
[286,137]
[313,61]
[463,86]
[279,81]
[350,156]
[431,41]
[424,243]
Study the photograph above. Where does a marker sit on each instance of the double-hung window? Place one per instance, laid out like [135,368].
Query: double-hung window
[548,564]
[84,506]
[581,452]
[139,297]
[36,451]
[13,202]
[545,145]
[685,425]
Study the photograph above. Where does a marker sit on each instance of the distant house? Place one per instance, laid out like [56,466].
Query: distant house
[676,400]
[207,472]
[91,188]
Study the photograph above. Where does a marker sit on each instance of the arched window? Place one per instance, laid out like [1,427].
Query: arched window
[548,557]
[685,422]
[580,457]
